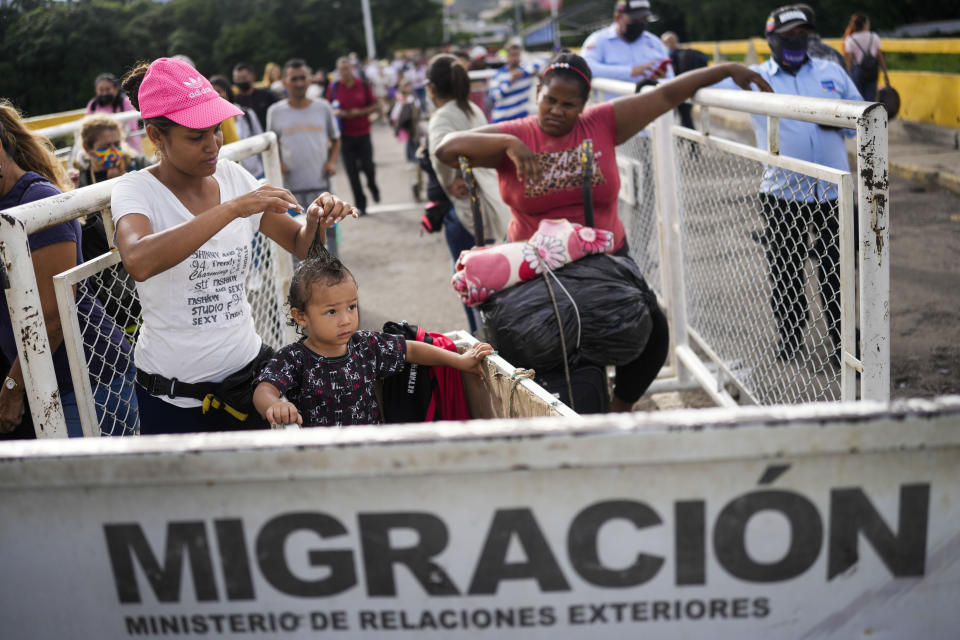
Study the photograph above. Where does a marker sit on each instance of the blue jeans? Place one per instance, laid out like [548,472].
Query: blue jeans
[458,240]
[117,408]
[159,416]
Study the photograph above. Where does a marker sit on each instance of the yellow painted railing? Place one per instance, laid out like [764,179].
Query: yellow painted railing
[899,45]
[53,119]
[928,97]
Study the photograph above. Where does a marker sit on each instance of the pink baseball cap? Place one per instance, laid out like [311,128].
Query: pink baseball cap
[174,89]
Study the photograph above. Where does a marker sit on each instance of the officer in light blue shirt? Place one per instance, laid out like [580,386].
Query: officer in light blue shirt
[796,206]
[626,50]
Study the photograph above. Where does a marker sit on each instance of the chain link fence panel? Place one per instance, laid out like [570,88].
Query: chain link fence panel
[761,272]
[110,372]
[637,207]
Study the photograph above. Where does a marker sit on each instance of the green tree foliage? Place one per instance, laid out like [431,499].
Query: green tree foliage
[50,52]
[696,20]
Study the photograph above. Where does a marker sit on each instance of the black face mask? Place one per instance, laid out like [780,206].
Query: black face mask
[243,86]
[790,53]
[104,99]
[633,31]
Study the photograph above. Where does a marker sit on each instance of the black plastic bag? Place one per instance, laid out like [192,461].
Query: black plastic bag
[613,301]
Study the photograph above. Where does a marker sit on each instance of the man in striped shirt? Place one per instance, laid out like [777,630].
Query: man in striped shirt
[510,87]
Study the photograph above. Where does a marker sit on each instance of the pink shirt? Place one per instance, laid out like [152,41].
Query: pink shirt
[358,96]
[560,193]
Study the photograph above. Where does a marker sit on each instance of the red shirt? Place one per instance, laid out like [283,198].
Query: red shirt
[358,96]
[560,193]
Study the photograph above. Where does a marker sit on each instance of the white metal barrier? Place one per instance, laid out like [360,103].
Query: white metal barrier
[705,248]
[267,286]
[67,128]
[72,127]
[827,521]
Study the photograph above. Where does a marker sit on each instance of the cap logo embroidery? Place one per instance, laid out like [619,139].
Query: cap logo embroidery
[175,89]
[794,14]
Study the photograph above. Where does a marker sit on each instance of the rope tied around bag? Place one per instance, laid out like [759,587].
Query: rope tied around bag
[518,376]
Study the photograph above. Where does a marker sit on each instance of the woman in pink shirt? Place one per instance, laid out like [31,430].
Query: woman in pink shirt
[537,160]
[110,99]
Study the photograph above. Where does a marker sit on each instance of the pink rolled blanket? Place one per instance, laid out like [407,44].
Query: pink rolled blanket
[484,271]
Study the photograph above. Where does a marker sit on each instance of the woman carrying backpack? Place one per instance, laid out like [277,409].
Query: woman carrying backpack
[861,49]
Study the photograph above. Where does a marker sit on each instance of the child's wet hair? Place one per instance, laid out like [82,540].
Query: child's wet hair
[325,270]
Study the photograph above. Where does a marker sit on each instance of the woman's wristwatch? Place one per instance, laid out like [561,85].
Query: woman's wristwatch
[11,384]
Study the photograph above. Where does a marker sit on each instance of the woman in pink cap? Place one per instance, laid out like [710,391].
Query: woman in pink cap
[184,229]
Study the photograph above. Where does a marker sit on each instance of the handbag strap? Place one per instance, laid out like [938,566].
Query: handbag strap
[471,181]
[862,50]
[586,159]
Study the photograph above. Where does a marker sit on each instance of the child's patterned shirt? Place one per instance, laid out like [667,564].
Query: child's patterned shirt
[337,391]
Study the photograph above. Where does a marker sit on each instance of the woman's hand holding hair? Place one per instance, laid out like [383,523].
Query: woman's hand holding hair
[525,160]
[324,212]
[267,199]
[327,210]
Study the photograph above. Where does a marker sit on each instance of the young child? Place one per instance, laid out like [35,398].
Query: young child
[328,376]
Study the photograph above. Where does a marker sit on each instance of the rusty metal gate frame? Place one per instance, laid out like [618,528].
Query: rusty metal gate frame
[687,369]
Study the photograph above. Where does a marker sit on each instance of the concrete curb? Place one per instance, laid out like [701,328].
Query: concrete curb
[922,175]
[898,168]
[949,181]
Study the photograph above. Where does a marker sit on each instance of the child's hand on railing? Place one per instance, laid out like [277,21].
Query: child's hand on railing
[472,358]
[283,412]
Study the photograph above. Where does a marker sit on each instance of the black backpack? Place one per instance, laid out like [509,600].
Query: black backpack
[869,65]
[689,59]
